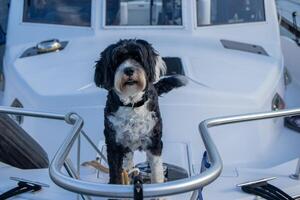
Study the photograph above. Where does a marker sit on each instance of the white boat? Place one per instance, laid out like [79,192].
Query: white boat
[235,60]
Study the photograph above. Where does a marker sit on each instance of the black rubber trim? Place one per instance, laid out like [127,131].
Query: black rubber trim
[266,191]
[22,187]
[293,123]
[18,148]
[138,188]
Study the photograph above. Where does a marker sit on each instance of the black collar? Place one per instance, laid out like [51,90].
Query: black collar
[133,105]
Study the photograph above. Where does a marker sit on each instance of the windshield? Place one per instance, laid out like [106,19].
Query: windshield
[214,12]
[143,12]
[65,12]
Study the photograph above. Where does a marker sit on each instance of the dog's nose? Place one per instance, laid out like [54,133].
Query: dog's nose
[129,71]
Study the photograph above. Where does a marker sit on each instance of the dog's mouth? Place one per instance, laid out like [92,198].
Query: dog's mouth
[131,82]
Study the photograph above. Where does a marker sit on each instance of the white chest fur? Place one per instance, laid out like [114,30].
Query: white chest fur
[133,126]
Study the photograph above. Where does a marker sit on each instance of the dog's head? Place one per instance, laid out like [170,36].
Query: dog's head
[128,67]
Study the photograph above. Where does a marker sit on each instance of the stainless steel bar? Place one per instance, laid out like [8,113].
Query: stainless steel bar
[94,146]
[21,111]
[120,191]
[195,195]
[250,117]
[296,175]
[70,168]
[63,151]
[72,172]
[298,167]
[163,189]
[255,181]
[78,154]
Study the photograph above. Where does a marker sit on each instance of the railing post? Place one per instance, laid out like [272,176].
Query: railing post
[296,175]
[78,155]
[295,24]
[72,173]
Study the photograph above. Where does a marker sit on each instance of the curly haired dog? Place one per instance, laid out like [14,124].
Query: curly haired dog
[130,71]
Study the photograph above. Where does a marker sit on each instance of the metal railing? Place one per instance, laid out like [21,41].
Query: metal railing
[71,118]
[291,26]
[162,189]
[84,188]
[126,191]
[150,190]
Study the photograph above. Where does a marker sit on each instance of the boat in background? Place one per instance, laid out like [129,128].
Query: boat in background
[235,60]
[289,17]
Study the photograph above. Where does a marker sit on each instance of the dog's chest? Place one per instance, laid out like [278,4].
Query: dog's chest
[133,126]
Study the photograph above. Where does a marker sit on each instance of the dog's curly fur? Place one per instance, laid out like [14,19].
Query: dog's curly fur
[130,70]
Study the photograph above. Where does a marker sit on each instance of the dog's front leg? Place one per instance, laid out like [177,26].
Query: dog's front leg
[115,161]
[128,161]
[156,165]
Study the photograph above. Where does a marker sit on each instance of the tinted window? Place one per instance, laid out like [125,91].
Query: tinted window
[65,12]
[143,12]
[229,11]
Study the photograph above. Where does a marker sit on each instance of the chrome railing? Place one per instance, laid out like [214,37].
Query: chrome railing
[74,184]
[150,190]
[126,191]
[290,25]
[30,113]
[162,189]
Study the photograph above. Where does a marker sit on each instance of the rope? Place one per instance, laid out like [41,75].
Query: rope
[95,164]
[126,175]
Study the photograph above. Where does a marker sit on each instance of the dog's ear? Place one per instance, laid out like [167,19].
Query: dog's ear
[150,59]
[104,76]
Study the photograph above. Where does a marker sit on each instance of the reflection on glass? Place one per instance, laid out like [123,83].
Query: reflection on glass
[65,12]
[214,12]
[143,12]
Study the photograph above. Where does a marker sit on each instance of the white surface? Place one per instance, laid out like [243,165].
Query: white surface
[41,175]
[232,82]
[225,187]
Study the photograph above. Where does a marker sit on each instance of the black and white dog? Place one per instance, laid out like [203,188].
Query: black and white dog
[130,71]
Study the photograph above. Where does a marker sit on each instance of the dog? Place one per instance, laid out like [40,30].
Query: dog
[130,71]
